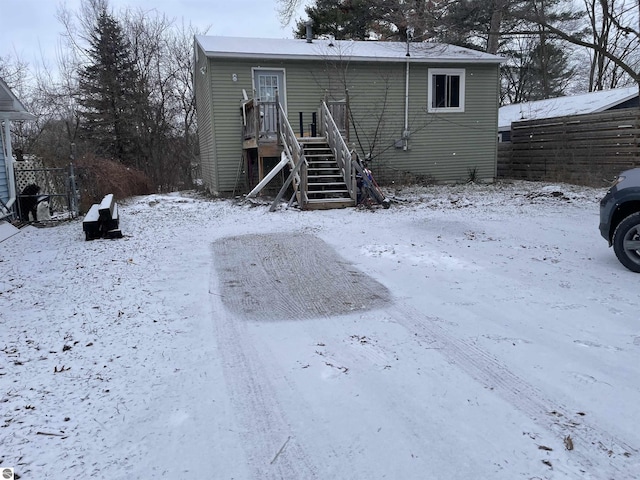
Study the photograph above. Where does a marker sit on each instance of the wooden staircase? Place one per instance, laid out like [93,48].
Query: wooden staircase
[322,169]
[326,187]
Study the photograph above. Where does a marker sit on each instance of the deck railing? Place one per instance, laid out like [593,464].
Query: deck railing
[339,110]
[260,119]
[250,122]
[345,157]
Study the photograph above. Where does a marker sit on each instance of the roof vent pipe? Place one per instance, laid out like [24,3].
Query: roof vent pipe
[308,24]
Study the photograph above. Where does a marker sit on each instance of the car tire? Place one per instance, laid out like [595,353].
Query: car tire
[626,242]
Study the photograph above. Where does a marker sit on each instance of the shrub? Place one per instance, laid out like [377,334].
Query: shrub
[97,177]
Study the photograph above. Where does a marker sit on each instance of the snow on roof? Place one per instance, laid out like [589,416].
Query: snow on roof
[592,102]
[274,48]
[10,107]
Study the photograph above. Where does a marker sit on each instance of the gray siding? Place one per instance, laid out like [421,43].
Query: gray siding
[227,121]
[447,146]
[444,147]
[206,138]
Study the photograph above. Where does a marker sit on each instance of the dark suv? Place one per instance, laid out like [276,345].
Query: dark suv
[620,218]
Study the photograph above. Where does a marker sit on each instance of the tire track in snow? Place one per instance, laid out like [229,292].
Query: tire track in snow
[590,440]
[267,277]
[272,450]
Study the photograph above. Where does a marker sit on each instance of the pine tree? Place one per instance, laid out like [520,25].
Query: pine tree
[110,94]
[365,19]
[536,71]
[342,19]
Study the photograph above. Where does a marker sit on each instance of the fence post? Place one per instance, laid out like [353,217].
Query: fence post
[73,193]
[301,121]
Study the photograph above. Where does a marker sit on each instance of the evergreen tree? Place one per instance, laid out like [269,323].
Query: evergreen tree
[343,19]
[551,71]
[364,19]
[110,94]
[538,70]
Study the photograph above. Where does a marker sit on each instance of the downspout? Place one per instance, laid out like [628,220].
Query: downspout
[9,164]
[405,132]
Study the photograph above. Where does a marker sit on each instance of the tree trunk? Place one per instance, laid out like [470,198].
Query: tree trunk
[493,42]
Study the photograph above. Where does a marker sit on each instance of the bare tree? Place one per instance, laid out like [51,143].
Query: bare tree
[161,50]
[16,74]
[609,23]
[618,20]
[287,9]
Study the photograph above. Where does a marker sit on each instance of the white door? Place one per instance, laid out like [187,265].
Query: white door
[268,85]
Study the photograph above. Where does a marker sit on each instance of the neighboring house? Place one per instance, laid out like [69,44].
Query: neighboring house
[593,102]
[423,109]
[10,109]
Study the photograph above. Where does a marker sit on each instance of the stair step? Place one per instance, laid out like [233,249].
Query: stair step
[327,192]
[329,200]
[321,187]
[317,186]
[327,184]
[329,203]
[321,178]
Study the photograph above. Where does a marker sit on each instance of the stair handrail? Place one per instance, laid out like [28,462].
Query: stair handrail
[293,149]
[344,157]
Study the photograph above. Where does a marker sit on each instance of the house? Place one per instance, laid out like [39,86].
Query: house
[593,102]
[11,109]
[421,109]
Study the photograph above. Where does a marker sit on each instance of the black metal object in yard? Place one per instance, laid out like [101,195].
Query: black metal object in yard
[102,220]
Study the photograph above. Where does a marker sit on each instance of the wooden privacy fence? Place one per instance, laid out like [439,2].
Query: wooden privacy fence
[582,149]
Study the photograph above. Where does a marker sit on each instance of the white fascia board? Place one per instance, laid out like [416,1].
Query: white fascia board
[318,58]
[16,116]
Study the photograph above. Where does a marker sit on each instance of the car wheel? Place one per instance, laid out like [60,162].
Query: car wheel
[626,242]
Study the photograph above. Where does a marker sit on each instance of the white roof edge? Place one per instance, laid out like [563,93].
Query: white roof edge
[19,112]
[284,56]
[17,116]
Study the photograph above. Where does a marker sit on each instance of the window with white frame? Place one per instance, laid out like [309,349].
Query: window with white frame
[446,90]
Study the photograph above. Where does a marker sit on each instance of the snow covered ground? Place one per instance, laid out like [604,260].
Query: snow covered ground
[471,332]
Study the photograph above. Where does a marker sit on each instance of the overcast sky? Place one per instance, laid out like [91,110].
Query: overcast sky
[29,28]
